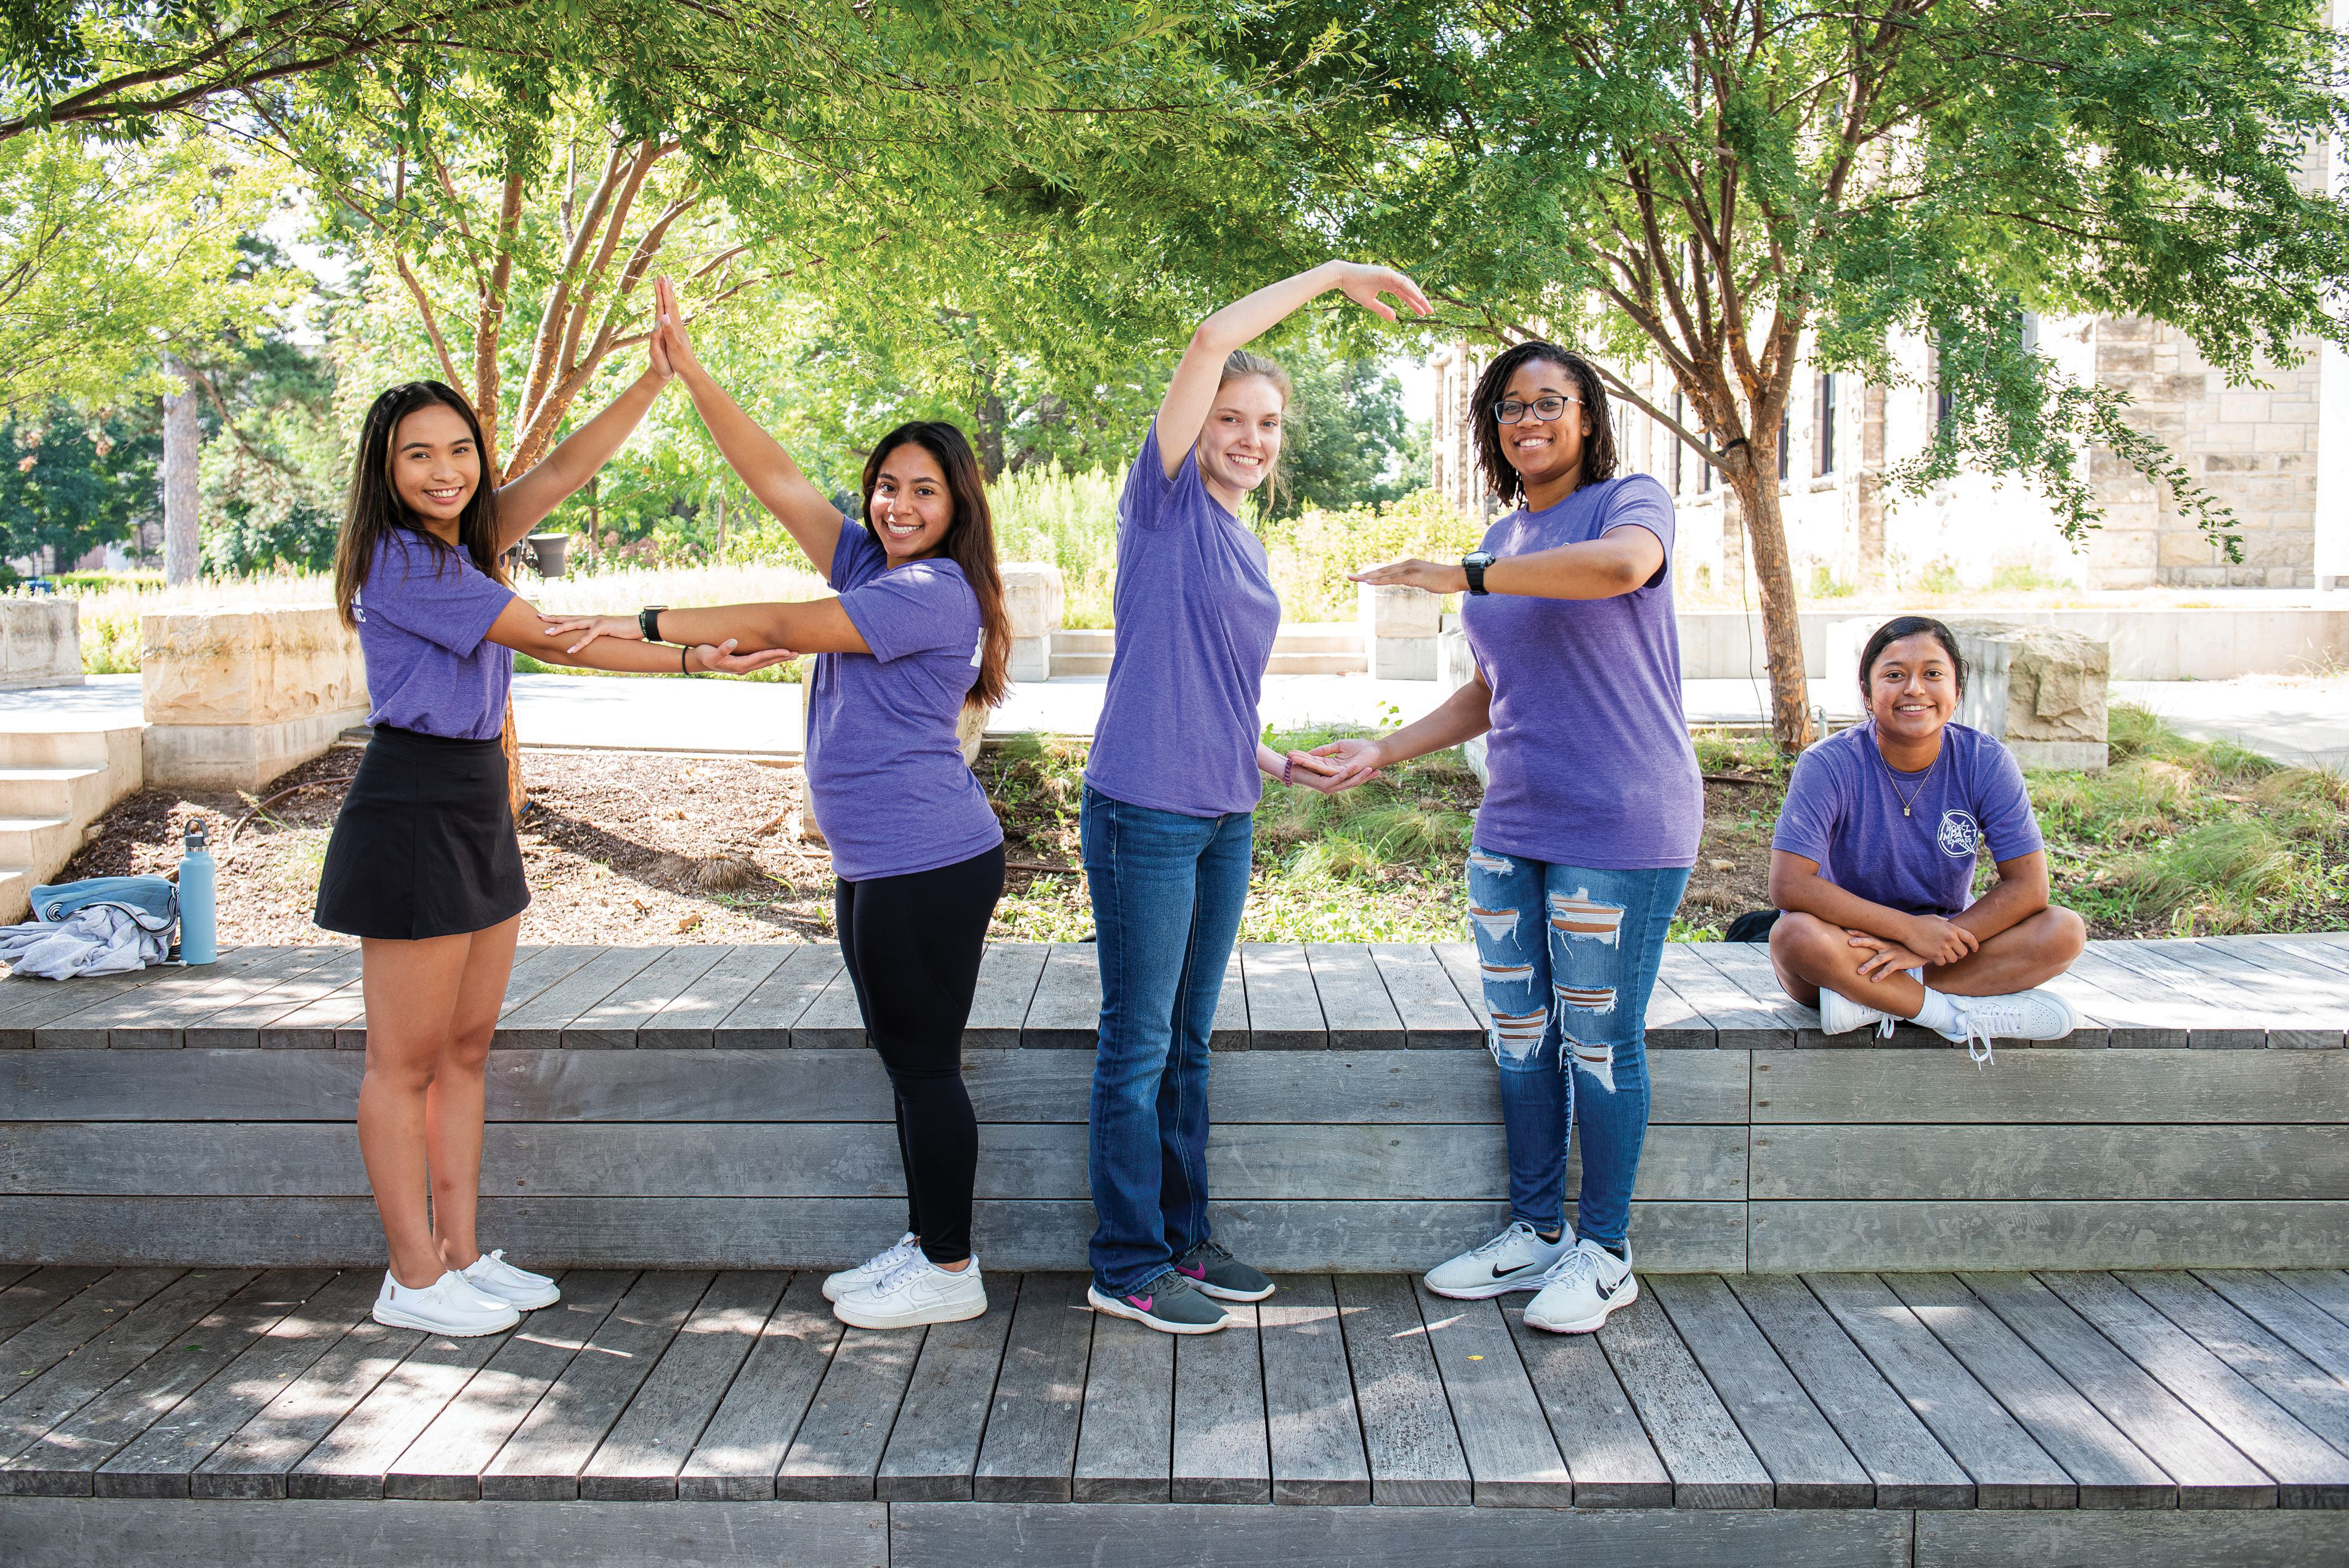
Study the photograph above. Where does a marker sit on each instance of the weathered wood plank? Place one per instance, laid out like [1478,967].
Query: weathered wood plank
[1513,1459]
[2280,1303]
[93,1310]
[1459,962]
[1738,1021]
[1220,1445]
[148,1016]
[1312,1427]
[2318,1402]
[2328,1288]
[1007,973]
[1598,1433]
[614,1022]
[241,1024]
[2196,1540]
[1414,1451]
[1673,1023]
[2038,1087]
[1031,1451]
[2008,1468]
[1434,1017]
[256,1461]
[1711,1463]
[1910,1469]
[158,1464]
[26,1003]
[738,1453]
[352,1459]
[1350,985]
[1809,1466]
[835,1020]
[1971,1164]
[2217,1016]
[1065,1013]
[2307,1472]
[1284,1013]
[444,1464]
[764,1018]
[934,1445]
[2302,1003]
[1745,965]
[2136,1017]
[543,1461]
[837,1452]
[1230,1029]
[158,1370]
[2109,1471]
[689,1020]
[1125,1441]
[639,1459]
[38,1292]
[2042,1234]
[539,1023]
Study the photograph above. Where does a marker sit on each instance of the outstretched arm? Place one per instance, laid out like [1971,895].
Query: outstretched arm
[525,502]
[1191,393]
[774,476]
[1613,564]
[1463,716]
[813,626]
[523,629]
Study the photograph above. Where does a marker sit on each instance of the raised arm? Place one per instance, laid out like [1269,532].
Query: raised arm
[527,502]
[1191,392]
[781,487]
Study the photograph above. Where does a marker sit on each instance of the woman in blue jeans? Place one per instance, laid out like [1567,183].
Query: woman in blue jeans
[1589,823]
[1170,789]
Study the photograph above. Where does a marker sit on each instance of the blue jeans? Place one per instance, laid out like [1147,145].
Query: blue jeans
[1569,956]
[1168,892]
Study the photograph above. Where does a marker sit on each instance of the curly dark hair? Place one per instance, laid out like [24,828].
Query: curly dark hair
[1599,458]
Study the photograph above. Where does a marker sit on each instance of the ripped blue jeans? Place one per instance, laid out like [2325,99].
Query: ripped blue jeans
[1569,956]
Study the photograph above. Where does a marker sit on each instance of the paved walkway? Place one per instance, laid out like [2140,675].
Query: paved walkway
[2303,722]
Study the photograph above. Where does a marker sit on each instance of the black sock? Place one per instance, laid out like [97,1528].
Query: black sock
[1549,1235]
[1620,1249]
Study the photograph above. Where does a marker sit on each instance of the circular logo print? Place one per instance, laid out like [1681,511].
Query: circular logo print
[1959,835]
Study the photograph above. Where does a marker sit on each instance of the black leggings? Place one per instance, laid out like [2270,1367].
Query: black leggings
[912,944]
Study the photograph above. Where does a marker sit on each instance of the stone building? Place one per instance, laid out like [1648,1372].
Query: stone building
[2276,454]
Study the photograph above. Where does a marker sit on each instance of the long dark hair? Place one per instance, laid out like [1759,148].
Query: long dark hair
[969,541]
[1901,626]
[374,508]
[1597,447]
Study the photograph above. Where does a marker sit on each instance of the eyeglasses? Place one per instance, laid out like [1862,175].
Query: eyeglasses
[1510,410]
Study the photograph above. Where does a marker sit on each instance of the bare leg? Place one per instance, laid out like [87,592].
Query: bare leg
[1809,953]
[411,990]
[453,1106]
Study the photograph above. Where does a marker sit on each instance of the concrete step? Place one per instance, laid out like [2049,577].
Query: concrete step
[1343,638]
[39,844]
[1284,664]
[67,747]
[1299,649]
[80,793]
[1067,665]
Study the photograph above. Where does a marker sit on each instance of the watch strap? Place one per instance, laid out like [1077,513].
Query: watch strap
[649,622]
[1473,564]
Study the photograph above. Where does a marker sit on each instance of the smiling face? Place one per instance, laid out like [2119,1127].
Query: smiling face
[1241,440]
[1912,688]
[1545,451]
[912,509]
[436,466]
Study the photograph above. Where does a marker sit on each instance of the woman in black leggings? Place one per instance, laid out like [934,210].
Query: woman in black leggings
[918,631]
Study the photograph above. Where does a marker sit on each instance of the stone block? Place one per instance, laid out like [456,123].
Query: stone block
[2047,685]
[40,642]
[1398,631]
[234,697]
[1032,595]
[1032,658]
[2185,550]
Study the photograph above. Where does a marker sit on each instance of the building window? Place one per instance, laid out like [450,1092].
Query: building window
[1825,424]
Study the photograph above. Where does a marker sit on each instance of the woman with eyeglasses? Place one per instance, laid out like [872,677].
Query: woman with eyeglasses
[1589,822]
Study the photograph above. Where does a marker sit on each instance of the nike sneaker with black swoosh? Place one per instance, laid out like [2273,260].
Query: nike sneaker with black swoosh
[1517,1259]
[1589,1285]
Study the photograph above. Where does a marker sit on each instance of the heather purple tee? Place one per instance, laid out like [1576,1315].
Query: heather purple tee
[886,775]
[1196,619]
[1588,754]
[1843,811]
[423,613]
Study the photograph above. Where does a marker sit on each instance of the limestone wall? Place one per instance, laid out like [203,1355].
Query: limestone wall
[234,697]
[40,642]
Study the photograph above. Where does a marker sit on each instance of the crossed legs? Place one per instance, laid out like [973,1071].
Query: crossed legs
[1809,953]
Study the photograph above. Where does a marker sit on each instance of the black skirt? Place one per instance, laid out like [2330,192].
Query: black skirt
[424,845]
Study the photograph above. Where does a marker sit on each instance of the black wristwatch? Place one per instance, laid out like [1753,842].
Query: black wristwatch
[1473,563]
[649,622]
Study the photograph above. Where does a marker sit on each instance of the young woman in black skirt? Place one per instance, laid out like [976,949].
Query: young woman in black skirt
[424,868]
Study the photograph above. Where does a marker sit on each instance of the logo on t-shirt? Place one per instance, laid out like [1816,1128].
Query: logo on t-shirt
[1959,835]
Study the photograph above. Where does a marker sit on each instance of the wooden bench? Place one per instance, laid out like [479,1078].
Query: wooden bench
[708,1106]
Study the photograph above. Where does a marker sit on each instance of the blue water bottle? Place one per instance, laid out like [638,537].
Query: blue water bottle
[197,880]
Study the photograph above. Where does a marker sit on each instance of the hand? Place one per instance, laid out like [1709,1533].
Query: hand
[1320,774]
[724,660]
[1357,761]
[657,360]
[594,626]
[1364,284]
[1942,941]
[1885,958]
[1435,576]
[668,330]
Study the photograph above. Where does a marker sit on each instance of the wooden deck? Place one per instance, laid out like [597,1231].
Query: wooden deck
[1930,1418]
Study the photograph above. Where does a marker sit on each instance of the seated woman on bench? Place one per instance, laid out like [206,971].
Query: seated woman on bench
[1873,863]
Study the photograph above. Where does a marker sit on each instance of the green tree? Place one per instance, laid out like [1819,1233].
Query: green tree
[70,482]
[1347,444]
[1721,184]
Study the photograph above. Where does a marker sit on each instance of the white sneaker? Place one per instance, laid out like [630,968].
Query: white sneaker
[494,1277]
[871,1269]
[1839,1015]
[449,1306]
[2035,1015]
[1591,1283]
[1517,1259]
[915,1292]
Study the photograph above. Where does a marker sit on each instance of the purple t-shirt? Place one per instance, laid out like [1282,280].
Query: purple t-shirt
[422,614]
[1588,754]
[1196,619]
[1843,811]
[886,775]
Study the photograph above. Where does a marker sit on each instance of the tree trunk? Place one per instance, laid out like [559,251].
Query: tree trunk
[182,437]
[1755,482]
